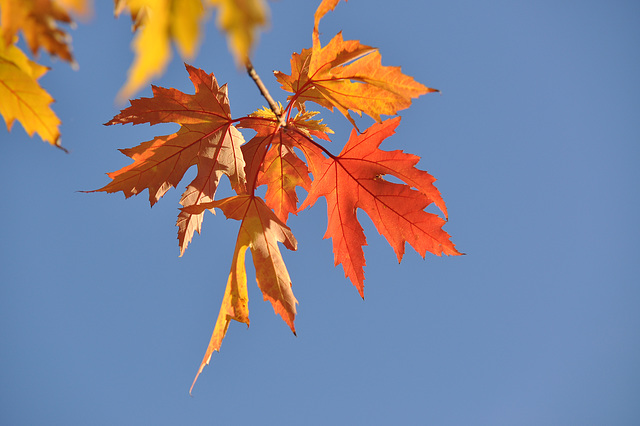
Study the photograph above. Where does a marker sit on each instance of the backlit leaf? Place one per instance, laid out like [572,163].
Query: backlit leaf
[158,23]
[349,76]
[240,20]
[355,180]
[260,231]
[206,139]
[22,97]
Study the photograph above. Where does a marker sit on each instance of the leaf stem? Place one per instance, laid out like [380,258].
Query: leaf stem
[329,154]
[265,93]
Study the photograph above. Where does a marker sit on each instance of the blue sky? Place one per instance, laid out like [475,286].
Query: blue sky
[534,142]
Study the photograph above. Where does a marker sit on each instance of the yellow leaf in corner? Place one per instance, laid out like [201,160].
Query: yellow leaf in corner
[239,19]
[22,97]
[157,23]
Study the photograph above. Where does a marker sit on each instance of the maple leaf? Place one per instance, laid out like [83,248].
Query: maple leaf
[260,231]
[39,22]
[157,23]
[348,76]
[22,97]
[240,19]
[271,160]
[355,179]
[206,139]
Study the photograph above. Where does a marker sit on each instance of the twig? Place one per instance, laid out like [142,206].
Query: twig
[263,90]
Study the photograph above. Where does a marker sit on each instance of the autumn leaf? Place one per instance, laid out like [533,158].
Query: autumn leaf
[239,19]
[39,21]
[349,76]
[206,139]
[158,23]
[22,97]
[355,180]
[260,231]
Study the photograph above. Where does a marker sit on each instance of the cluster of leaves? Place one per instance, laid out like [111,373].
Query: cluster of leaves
[287,152]
[157,23]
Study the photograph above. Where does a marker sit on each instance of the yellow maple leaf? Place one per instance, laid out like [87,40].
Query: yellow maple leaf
[38,22]
[157,23]
[260,231]
[239,19]
[22,97]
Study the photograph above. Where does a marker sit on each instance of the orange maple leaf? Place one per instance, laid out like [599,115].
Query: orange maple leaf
[349,76]
[355,179]
[260,231]
[206,139]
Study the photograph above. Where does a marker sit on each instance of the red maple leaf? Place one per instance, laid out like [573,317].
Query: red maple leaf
[206,139]
[355,179]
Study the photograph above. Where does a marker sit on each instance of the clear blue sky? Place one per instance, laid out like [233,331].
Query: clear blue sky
[534,142]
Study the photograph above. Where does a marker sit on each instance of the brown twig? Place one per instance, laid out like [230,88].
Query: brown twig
[263,90]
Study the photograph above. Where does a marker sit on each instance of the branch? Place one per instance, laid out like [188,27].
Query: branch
[263,90]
